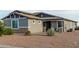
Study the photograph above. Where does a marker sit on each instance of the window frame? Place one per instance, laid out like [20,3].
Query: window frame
[12,23]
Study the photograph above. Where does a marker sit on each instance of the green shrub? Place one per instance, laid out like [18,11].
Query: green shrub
[70,30]
[1,31]
[1,28]
[27,33]
[7,31]
[51,32]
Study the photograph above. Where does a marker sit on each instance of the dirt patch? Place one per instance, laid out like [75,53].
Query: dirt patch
[60,40]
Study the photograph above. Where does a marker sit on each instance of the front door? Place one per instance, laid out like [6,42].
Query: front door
[15,24]
[46,26]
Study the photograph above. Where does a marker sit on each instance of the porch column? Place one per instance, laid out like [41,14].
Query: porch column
[62,23]
[57,25]
[60,26]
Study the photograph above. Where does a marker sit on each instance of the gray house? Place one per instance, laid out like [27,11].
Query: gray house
[21,21]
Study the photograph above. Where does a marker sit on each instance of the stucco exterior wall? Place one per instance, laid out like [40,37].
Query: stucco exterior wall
[35,26]
[68,25]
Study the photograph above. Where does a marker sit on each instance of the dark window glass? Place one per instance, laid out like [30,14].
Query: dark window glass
[59,24]
[14,24]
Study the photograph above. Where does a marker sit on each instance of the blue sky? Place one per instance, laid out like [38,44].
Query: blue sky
[70,14]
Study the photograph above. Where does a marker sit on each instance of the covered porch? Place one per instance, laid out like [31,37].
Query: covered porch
[58,25]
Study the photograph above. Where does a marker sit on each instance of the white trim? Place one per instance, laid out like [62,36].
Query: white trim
[23,27]
[14,15]
[28,26]
[57,24]
[10,16]
[17,21]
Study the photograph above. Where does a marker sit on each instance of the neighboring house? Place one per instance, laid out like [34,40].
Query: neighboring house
[36,22]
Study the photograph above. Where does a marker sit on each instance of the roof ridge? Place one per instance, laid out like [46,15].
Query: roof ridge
[23,12]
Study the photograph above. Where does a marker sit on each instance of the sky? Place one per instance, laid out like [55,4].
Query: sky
[70,14]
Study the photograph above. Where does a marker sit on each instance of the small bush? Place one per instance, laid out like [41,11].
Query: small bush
[7,31]
[50,32]
[70,30]
[27,33]
[1,32]
[1,28]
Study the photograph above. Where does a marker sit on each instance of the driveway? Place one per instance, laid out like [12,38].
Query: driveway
[60,40]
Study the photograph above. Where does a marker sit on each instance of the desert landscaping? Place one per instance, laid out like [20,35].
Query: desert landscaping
[31,30]
[41,40]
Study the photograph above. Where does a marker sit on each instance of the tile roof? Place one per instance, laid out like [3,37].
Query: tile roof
[27,15]
[32,15]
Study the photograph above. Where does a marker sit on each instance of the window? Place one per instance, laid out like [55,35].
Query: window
[41,15]
[15,24]
[17,16]
[33,21]
[23,23]
[39,22]
[59,24]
